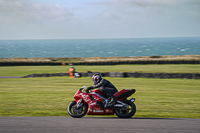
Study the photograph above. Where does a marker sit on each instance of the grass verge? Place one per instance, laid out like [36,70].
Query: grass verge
[168,98]
[26,70]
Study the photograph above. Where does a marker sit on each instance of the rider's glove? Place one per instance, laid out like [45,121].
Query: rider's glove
[89,88]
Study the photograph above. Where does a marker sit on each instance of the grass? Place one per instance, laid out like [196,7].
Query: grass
[168,98]
[26,70]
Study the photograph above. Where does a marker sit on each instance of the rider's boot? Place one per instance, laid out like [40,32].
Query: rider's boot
[112,101]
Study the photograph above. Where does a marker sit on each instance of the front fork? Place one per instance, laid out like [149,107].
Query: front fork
[79,103]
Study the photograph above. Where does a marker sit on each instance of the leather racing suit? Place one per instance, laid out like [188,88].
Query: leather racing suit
[107,88]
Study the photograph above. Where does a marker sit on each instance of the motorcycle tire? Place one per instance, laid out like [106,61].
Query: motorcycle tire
[77,113]
[126,113]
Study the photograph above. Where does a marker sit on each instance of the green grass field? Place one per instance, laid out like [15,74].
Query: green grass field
[26,70]
[173,98]
[168,98]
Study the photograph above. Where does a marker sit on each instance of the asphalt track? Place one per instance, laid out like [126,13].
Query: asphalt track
[97,125]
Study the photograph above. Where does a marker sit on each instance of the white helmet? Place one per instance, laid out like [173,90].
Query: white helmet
[96,78]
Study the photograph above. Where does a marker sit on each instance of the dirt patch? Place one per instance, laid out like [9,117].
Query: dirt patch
[96,59]
[184,57]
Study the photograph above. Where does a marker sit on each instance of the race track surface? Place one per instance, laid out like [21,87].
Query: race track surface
[97,125]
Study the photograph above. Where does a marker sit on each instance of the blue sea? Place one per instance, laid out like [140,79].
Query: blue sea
[100,47]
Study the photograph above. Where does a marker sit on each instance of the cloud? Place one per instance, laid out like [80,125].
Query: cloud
[35,11]
[157,7]
[155,2]
[147,18]
[27,19]
[98,19]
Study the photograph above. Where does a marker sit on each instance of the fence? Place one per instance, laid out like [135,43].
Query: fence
[127,74]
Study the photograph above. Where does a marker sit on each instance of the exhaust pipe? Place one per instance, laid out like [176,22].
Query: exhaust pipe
[118,105]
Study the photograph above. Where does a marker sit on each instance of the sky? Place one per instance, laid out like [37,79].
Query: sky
[94,19]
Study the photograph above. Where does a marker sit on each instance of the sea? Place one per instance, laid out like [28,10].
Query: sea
[129,47]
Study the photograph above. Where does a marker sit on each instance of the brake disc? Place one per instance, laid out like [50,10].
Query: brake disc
[77,110]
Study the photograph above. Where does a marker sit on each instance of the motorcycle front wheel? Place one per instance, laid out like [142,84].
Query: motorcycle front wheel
[129,112]
[75,112]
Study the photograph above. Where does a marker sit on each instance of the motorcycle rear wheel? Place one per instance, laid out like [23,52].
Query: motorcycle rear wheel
[77,112]
[126,113]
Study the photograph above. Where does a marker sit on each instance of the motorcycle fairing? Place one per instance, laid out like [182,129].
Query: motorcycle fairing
[98,91]
[124,93]
[97,110]
[93,109]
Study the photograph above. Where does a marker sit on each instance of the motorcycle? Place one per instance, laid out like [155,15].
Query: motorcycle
[95,103]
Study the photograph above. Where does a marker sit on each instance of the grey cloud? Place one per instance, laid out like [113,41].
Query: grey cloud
[29,10]
[26,19]
[155,17]
[109,18]
[155,2]
[157,7]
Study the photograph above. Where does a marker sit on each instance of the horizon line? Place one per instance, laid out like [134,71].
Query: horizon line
[100,38]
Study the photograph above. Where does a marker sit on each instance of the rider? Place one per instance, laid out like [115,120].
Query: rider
[105,86]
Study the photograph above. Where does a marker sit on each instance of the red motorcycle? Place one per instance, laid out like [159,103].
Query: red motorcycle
[95,103]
